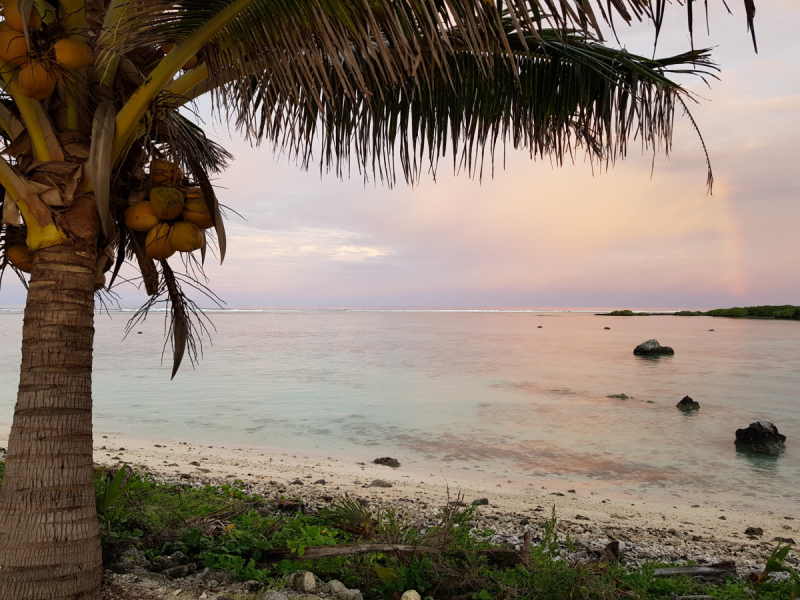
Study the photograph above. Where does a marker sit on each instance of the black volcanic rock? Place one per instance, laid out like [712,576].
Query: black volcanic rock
[688,405]
[762,437]
[652,348]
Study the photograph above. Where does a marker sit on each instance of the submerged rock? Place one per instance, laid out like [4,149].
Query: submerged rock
[688,405]
[762,437]
[388,461]
[652,348]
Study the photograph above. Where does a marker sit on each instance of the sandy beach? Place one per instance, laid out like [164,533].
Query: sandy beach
[648,530]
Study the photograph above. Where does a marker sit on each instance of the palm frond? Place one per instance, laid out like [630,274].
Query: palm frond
[363,47]
[187,139]
[556,97]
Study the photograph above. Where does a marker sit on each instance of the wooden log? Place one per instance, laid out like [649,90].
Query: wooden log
[316,552]
[715,571]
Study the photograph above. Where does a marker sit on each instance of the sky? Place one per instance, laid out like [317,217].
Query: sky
[643,234]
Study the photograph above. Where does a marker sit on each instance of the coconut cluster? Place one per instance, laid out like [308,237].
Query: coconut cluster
[175,215]
[38,73]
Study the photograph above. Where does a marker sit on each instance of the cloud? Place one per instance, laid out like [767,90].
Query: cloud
[253,244]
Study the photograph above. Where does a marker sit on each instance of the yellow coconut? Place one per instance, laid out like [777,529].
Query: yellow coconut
[4,26]
[157,244]
[186,237]
[191,63]
[13,48]
[140,217]
[35,81]
[20,256]
[166,203]
[14,19]
[195,210]
[164,172]
[73,54]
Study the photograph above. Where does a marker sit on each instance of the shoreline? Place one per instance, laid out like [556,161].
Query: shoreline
[648,530]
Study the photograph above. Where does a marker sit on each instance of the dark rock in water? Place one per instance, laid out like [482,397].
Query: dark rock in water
[652,348]
[756,531]
[619,396]
[606,327]
[711,330]
[762,437]
[688,405]
[539,327]
[480,502]
[386,460]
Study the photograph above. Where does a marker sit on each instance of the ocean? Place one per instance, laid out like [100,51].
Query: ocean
[518,395]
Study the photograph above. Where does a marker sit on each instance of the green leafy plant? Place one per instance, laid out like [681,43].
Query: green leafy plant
[775,565]
[108,492]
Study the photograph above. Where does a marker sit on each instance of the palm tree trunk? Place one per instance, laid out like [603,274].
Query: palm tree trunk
[49,537]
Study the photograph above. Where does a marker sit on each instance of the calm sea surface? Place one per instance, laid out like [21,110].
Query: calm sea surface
[487,393]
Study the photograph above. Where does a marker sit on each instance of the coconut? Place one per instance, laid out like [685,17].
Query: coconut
[167,48]
[13,48]
[186,237]
[35,81]
[164,172]
[14,19]
[157,244]
[196,211]
[73,54]
[20,256]
[140,217]
[166,203]
[191,63]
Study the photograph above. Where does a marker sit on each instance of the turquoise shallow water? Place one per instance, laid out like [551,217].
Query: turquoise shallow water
[488,393]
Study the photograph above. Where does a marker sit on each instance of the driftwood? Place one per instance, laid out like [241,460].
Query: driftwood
[315,552]
[715,571]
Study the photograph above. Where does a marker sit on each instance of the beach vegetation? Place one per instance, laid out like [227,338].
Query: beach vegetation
[97,116]
[230,528]
[785,311]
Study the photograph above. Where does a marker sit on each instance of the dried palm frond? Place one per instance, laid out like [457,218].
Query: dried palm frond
[185,322]
[351,516]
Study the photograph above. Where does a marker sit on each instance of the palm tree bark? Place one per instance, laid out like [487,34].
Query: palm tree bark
[49,537]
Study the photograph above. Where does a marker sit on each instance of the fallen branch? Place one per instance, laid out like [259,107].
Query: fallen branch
[317,552]
[715,571]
